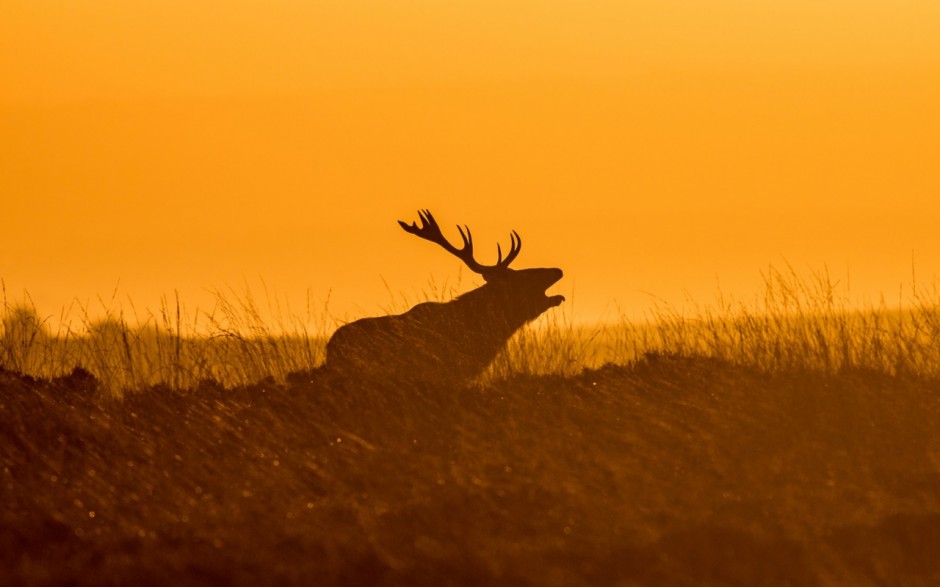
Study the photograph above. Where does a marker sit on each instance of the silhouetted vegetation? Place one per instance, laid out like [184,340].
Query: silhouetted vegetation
[796,322]
[791,440]
[233,344]
[673,471]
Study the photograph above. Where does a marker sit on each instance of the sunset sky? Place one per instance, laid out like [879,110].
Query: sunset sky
[648,148]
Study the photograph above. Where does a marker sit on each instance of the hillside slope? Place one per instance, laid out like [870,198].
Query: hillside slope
[670,472]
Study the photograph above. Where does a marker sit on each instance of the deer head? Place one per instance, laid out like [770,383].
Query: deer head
[522,290]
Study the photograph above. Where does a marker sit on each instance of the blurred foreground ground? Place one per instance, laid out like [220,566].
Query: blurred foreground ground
[668,472]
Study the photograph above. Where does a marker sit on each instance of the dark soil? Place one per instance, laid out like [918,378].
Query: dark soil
[671,472]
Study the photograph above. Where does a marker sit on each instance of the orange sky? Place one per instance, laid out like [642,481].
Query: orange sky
[645,147]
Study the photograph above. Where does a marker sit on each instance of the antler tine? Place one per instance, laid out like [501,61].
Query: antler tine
[514,248]
[428,230]
[466,236]
[427,221]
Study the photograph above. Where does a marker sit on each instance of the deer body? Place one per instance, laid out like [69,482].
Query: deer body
[444,343]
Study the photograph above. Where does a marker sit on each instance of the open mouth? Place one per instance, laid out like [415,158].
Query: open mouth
[554,300]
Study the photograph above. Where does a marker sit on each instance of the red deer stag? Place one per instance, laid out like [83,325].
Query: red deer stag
[445,343]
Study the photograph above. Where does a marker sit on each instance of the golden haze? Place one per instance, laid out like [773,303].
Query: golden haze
[644,147]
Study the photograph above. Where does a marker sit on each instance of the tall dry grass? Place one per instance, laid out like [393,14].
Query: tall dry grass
[236,343]
[796,321]
[805,323]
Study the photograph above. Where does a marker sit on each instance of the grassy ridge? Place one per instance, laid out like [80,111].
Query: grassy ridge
[672,471]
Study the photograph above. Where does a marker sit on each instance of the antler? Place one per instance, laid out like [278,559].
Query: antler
[429,230]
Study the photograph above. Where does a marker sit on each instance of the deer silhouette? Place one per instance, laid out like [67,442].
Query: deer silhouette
[445,343]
